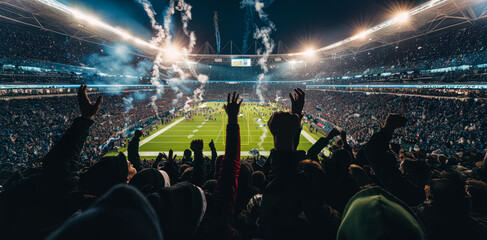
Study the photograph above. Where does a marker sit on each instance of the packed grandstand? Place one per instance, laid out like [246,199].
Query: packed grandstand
[402,123]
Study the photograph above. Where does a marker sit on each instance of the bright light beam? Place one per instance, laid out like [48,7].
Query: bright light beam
[412,12]
[309,52]
[402,17]
[98,23]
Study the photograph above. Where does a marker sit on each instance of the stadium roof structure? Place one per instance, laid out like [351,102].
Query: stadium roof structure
[431,16]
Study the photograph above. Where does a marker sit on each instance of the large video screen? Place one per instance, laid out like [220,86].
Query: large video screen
[241,62]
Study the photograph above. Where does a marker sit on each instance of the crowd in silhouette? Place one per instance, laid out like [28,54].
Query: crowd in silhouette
[375,190]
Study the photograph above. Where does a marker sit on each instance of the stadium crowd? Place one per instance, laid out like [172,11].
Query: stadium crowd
[447,126]
[412,59]
[33,125]
[375,190]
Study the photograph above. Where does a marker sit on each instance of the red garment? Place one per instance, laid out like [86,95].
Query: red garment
[227,180]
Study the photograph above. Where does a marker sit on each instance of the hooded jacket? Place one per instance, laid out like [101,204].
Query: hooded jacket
[373,213]
[122,213]
[180,209]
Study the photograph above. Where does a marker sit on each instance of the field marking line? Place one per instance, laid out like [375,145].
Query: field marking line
[220,132]
[248,128]
[206,153]
[160,132]
[149,138]
[308,137]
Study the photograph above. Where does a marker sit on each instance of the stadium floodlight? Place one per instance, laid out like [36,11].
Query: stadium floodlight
[172,52]
[309,52]
[388,23]
[96,22]
[402,17]
[360,35]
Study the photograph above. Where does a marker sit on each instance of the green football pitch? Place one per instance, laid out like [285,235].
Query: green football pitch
[254,133]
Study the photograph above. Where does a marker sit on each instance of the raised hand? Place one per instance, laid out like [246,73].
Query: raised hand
[159,158]
[232,107]
[395,121]
[87,109]
[333,133]
[211,144]
[169,158]
[197,145]
[297,101]
[138,134]
[343,135]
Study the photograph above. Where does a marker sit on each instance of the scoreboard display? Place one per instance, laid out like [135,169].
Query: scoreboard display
[241,62]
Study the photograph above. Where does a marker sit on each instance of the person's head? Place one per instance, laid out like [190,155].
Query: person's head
[373,213]
[446,191]
[477,193]
[187,174]
[413,168]
[121,213]
[138,133]
[312,180]
[187,154]
[150,180]
[244,174]
[180,208]
[182,168]
[361,159]
[259,180]
[209,186]
[106,173]
[284,127]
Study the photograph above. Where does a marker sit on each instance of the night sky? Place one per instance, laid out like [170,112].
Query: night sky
[299,23]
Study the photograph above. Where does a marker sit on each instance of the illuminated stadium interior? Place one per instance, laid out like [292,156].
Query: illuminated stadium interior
[245,119]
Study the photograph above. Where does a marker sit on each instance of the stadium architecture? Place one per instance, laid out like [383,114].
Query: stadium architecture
[311,64]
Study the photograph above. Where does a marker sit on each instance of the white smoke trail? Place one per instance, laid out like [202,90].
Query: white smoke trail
[128,103]
[262,138]
[163,37]
[264,134]
[278,96]
[167,20]
[186,16]
[264,35]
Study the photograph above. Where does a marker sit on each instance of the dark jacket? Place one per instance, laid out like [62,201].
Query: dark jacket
[450,222]
[35,207]
[133,153]
[122,213]
[384,164]
[281,203]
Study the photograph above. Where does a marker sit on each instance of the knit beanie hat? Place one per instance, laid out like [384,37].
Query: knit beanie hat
[150,180]
[373,213]
[104,174]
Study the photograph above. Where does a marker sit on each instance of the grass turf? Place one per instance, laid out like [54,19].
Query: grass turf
[253,131]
